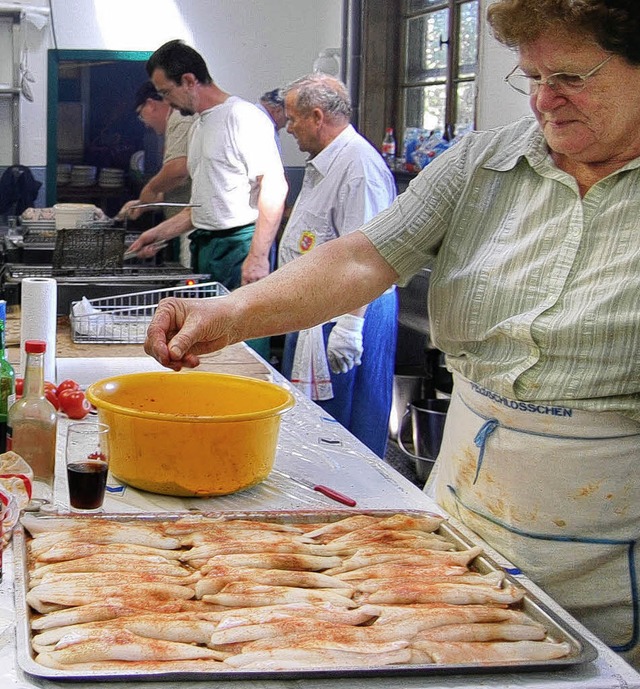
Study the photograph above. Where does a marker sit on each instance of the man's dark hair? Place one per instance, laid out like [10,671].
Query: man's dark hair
[146,91]
[176,58]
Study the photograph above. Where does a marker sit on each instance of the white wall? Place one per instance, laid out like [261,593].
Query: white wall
[497,103]
[250,46]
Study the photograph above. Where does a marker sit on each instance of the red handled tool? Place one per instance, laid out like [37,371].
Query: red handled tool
[319,488]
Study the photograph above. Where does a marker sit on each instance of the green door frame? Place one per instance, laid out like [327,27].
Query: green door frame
[55,57]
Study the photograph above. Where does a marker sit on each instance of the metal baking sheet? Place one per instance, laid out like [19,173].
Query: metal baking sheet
[557,628]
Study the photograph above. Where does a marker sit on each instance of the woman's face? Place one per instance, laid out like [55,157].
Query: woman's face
[600,124]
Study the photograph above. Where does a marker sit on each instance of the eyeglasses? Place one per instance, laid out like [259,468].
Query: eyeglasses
[564,83]
[165,92]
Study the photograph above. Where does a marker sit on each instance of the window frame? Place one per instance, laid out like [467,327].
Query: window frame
[452,78]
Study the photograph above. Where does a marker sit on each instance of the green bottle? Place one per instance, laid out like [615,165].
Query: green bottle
[7,378]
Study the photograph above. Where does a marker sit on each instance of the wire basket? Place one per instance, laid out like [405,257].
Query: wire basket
[88,251]
[124,318]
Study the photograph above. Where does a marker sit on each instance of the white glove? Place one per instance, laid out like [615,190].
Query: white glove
[344,348]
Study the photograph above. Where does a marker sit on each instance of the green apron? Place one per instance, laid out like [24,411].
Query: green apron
[221,253]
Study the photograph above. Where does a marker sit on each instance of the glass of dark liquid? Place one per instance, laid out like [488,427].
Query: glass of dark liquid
[87,458]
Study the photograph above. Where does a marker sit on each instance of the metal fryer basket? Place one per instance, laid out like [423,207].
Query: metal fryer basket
[88,250]
[124,318]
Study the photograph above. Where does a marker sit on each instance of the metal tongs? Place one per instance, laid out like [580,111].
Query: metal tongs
[133,254]
[160,204]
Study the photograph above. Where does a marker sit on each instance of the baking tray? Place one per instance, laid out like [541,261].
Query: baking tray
[558,629]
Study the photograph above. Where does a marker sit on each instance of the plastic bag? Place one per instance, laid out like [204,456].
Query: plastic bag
[310,370]
[16,477]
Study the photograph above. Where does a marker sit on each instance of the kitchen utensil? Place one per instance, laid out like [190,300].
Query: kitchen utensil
[560,627]
[166,204]
[191,433]
[132,254]
[318,487]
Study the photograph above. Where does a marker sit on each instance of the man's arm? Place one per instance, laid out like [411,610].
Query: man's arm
[170,176]
[163,232]
[271,198]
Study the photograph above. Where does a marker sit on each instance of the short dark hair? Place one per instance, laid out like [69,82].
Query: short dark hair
[273,97]
[146,91]
[613,24]
[177,58]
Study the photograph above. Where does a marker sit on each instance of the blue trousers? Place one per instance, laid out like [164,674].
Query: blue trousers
[362,396]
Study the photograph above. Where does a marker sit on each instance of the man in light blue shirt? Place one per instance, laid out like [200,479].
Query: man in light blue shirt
[346,183]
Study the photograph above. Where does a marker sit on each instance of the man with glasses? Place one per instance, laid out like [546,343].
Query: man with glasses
[238,184]
[171,183]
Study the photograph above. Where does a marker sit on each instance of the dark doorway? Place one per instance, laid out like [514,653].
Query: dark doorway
[92,128]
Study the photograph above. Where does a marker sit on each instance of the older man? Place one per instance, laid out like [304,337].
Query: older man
[346,183]
[171,183]
[238,182]
[272,103]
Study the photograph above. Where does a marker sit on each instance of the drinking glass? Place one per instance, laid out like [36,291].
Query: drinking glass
[87,460]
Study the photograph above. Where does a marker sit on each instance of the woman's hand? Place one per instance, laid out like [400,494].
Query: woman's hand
[183,329]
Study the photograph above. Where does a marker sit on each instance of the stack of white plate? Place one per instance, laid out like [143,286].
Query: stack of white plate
[63,174]
[83,175]
[38,225]
[71,154]
[111,178]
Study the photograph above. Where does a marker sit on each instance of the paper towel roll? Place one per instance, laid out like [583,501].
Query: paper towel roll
[38,311]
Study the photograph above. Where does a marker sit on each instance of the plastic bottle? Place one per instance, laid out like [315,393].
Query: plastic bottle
[7,379]
[389,147]
[32,424]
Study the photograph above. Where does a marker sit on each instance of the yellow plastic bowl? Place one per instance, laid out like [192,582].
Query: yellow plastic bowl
[190,433]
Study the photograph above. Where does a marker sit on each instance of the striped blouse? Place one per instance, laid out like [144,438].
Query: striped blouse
[534,291]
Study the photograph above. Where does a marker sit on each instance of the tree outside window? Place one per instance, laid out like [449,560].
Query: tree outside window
[439,64]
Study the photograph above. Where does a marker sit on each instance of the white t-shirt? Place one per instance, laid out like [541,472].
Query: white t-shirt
[231,147]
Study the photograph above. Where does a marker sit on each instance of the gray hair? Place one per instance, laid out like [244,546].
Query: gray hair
[322,91]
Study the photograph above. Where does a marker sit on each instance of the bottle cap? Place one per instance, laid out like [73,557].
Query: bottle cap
[35,346]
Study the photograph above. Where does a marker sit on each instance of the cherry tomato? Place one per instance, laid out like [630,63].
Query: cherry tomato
[98,455]
[67,385]
[19,386]
[74,404]
[50,394]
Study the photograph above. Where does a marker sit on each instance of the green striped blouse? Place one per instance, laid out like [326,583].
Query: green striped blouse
[535,291]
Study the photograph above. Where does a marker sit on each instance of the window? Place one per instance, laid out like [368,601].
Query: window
[9,88]
[439,64]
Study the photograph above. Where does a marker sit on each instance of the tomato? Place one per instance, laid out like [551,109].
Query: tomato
[67,385]
[19,386]
[98,455]
[50,394]
[74,404]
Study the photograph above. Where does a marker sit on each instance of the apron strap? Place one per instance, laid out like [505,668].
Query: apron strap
[480,441]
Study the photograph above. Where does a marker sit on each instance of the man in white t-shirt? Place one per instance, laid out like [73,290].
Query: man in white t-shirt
[238,186]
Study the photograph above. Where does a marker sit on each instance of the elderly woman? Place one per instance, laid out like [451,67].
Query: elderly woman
[533,233]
